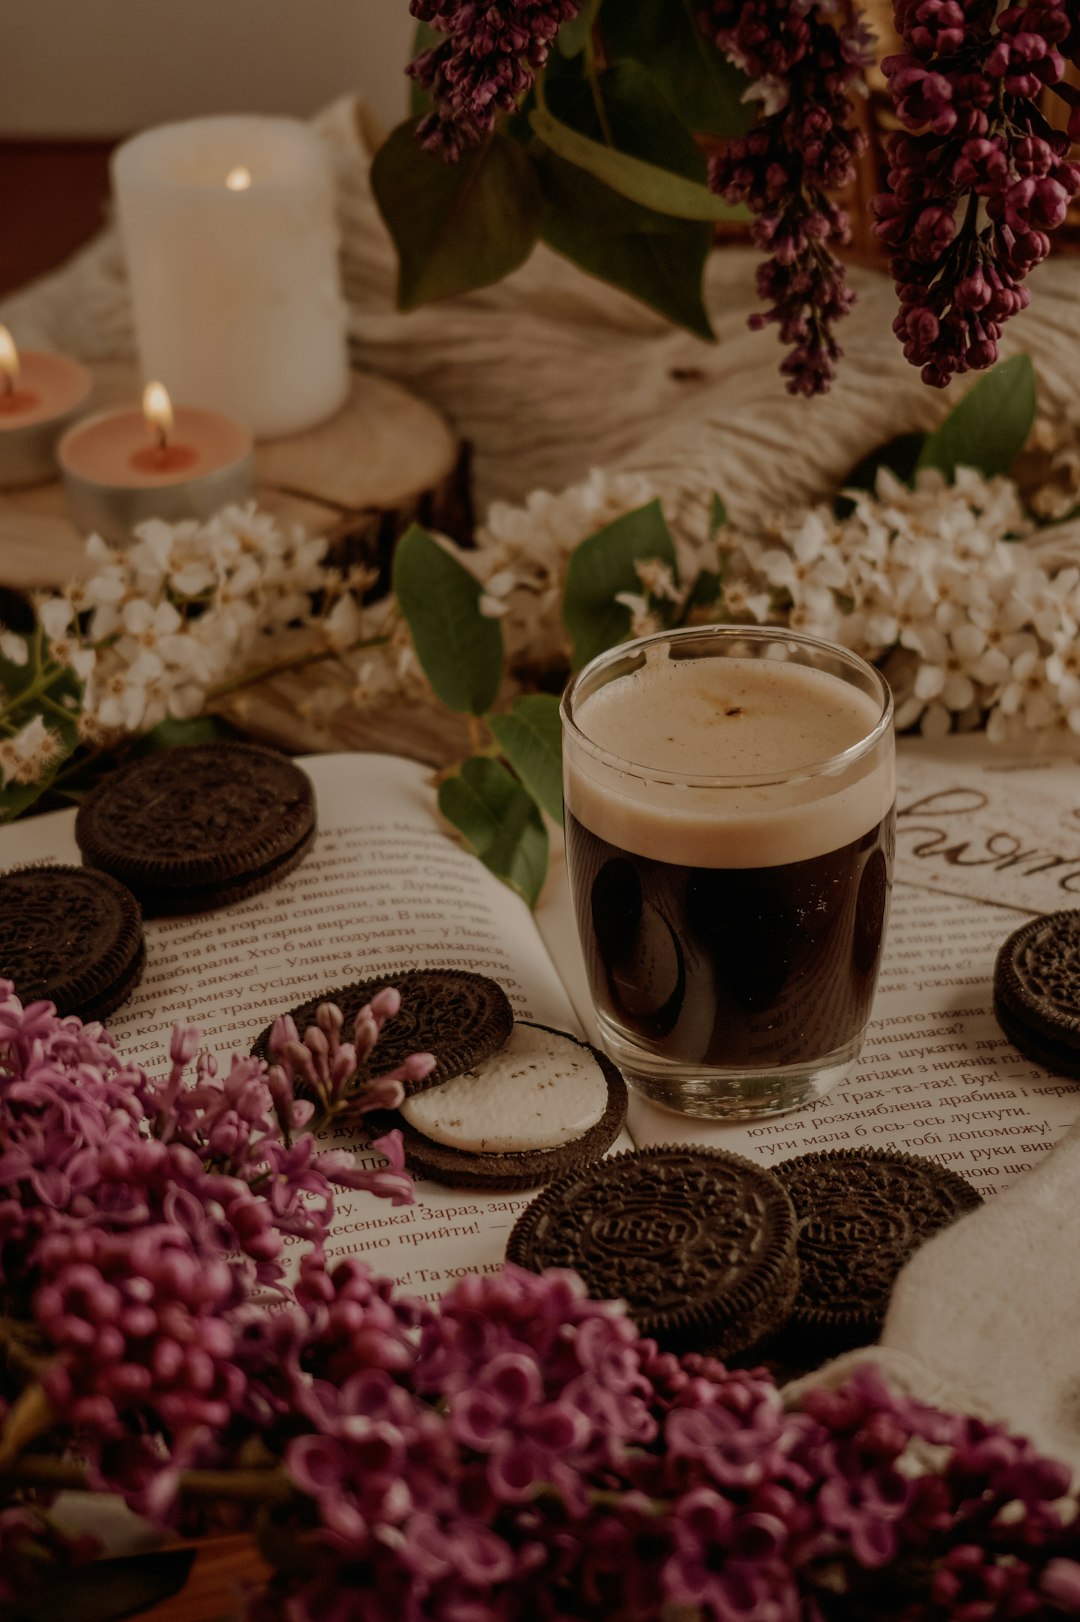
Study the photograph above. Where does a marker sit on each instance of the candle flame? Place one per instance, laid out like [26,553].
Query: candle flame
[157,409]
[238,179]
[9,359]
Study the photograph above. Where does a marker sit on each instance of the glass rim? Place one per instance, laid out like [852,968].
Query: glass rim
[833,765]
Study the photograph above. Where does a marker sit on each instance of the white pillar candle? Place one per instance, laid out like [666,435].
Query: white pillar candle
[231,242]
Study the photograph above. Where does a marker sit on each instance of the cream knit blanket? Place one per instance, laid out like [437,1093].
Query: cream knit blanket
[550,373]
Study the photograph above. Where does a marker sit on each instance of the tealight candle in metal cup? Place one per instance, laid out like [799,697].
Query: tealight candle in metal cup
[41,394]
[121,468]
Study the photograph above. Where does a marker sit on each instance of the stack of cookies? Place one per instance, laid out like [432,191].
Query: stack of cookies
[181,831]
[716,1254]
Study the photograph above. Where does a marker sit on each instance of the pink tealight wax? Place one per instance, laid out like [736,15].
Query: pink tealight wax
[40,394]
[123,467]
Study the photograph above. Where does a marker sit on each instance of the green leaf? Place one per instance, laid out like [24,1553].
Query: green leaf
[40,687]
[575,32]
[597,230]
[456,226]
[460,650]
[500,822]
[718,517]
[603,565]
[654,257]
[989,427]
[704,593]
[425,37]
[899,454]
[174,734]
[530,736]
[106,1590]
[645,183]
[703,87]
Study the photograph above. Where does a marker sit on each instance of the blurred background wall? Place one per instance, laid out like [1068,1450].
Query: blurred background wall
[99,68]
[75,75]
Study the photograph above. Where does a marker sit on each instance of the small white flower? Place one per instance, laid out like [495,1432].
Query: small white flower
[27,756]
[13,647]
[55,615]
[657,579]
[344,624]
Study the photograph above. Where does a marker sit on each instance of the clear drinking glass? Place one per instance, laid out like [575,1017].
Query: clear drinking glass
[730,816]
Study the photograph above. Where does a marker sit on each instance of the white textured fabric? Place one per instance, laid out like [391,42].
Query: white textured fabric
[985,1318]
[551,373]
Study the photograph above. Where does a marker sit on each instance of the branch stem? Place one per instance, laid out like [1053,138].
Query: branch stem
[233,1486]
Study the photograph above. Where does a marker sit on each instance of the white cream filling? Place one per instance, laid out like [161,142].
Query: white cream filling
[540,1091]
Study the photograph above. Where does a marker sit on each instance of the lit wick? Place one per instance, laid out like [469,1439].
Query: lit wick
[164,455]
[158,411]
[9,363]
[238,179]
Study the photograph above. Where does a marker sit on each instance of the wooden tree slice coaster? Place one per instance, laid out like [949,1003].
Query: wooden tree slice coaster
[385,460]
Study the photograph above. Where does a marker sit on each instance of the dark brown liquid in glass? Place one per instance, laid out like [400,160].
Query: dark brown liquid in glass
[755,967]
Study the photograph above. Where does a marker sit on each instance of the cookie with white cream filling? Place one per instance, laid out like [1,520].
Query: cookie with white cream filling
[541,1106]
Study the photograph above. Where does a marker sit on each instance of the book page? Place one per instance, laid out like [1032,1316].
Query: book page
[936,1076]
[995,829]
[383,891]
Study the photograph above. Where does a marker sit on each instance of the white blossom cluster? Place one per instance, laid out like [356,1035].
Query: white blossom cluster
[974,620]
[522,554]
[941,586]
[160,627]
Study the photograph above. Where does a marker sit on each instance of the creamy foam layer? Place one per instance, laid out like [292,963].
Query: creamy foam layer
[734,718]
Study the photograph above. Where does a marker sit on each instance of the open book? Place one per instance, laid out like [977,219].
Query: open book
[385,890]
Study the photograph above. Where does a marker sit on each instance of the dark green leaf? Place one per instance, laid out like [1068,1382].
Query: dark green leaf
[602,566]
[606,236]
[574,33]
[717,516]
[38,687]
[107,1590]
[460,650]
[989,427]
[174,734]
[530,737]
[702,86]
[460,225]
[900,455]
[423,40]
[652,256]
[704,593]
[500,821]
[646,183]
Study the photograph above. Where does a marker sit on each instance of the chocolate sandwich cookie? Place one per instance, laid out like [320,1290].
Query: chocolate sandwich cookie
[543,1105]
[1037,991]
[861,1214]
[71,936]
[193,829]
[700,1244]
[459,1017]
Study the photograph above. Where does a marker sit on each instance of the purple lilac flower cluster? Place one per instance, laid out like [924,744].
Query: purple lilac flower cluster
[797,152]
[138,1217]
[517,1452]
[533,1458]
[486,62]
[978,179]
